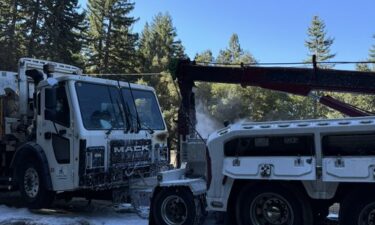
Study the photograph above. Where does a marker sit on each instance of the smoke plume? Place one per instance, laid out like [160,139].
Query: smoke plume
[205,123]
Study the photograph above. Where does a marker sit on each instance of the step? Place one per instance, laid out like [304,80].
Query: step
[5,183]
[6,187]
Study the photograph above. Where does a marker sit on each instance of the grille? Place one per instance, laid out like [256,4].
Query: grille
[130,152]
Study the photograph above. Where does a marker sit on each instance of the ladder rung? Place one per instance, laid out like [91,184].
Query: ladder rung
[6,187]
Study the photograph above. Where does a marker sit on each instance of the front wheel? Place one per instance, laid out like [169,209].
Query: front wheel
[176,206]
[269,205]
[32,186]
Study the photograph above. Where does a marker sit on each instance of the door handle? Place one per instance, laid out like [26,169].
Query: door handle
[48,135]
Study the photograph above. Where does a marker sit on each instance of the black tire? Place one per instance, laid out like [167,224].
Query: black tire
[269,205]
[176,206]
[358,209]
[32,185]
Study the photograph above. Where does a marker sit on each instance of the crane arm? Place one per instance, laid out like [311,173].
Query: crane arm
[300,81]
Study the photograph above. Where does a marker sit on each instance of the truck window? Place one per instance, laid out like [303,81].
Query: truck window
[100,106]
[62,107]
[147,108]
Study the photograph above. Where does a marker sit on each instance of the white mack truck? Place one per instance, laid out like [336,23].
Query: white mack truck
[272,173]
[65,135]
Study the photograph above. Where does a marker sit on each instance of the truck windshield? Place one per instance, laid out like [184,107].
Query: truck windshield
[146,106]
[100,106]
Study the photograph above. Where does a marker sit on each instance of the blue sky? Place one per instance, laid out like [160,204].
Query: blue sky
[272,30]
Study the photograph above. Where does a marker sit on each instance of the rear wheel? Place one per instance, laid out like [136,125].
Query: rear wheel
[269,205]
[358,209]
[32,186]
[176,207]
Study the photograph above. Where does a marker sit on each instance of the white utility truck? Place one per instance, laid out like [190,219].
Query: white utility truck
[273,173]
[64,134]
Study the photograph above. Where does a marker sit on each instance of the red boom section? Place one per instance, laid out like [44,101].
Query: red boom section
[342,107]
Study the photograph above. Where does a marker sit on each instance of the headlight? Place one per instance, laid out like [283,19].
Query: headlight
[95,157]
[161,152]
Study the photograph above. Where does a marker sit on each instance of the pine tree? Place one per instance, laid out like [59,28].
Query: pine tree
[159,44]
[95,34]
[145,49]
[363,67]
[4,7]
[62,31]
[234,54]
[33,13]
[230,102]
[112,43]
[204,57]
[318,43]
[119,51]
[10,37]
[41,29]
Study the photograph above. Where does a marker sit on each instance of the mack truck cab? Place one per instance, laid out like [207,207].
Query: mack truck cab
[74,135]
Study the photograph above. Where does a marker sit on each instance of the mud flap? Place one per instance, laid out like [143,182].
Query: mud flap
[151,220]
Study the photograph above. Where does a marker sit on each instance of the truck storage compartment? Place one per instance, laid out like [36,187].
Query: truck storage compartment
[291,145]
[349,169]
[278,168]
[349,144]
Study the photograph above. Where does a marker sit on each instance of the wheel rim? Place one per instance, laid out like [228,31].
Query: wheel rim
[271,209]
[367,215]
[174,210]
[31,182]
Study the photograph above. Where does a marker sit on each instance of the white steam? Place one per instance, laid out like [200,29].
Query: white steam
[241,121]
[205,123]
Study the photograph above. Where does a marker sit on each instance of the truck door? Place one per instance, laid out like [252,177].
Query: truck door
[55,135]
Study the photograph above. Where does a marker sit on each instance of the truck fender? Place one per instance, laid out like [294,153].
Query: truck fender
[31,149]
[197,186]
[176,178]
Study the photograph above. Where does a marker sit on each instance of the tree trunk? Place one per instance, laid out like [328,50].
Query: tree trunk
[107,42]
[33,31]
[12,60]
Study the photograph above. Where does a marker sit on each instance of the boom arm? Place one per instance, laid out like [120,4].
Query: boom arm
[300,81]
[292,80]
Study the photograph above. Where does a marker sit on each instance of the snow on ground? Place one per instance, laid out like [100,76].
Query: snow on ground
[77,213]
[12,216]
